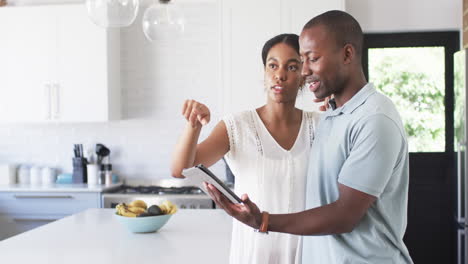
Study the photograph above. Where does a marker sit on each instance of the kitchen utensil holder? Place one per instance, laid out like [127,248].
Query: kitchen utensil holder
[79,170]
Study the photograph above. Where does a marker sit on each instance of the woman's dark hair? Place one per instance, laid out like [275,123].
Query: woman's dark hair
[291,40]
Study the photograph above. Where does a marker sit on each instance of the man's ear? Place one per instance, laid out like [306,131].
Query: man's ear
[349,53]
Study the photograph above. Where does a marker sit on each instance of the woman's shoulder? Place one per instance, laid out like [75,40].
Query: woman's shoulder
[239,117]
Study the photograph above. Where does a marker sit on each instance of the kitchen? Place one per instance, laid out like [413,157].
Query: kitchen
[155,77]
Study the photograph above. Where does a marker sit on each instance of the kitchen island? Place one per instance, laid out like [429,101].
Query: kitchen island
[95,236]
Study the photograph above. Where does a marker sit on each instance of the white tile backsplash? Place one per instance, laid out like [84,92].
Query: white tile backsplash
[155,79]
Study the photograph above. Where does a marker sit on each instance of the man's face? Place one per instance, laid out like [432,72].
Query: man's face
[322,62]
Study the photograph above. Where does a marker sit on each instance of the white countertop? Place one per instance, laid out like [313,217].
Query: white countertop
[79,187]
[95,236]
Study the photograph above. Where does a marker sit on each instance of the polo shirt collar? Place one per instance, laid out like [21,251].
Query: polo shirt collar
[357,100]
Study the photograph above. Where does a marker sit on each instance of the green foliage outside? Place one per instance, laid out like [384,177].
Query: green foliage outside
[414,79]
[459,91]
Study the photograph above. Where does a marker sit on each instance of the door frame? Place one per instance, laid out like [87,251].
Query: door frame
[431,198]
[450,40]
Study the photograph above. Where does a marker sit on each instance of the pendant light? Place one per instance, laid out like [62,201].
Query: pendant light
[112,13]
[163,20]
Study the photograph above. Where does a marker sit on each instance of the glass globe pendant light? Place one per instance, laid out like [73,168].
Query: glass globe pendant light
[112,13]
[163,21]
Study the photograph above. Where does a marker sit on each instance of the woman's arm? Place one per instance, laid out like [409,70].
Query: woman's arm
[187,152]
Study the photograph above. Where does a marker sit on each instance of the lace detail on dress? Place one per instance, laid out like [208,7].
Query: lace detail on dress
[231,133]
[253,128]
[311,126]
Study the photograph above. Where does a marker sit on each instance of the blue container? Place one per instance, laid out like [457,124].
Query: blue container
[66,178]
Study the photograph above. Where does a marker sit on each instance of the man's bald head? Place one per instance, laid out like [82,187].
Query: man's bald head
[344,28]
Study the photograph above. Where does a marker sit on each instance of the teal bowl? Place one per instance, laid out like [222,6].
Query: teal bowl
[147,224]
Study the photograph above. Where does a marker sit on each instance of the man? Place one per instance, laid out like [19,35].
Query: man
[357,185]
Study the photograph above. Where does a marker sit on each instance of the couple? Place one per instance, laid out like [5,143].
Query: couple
[328,192]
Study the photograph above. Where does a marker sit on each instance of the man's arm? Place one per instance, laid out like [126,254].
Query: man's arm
[338,217]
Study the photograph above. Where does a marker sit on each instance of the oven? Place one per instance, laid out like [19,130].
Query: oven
[179,192]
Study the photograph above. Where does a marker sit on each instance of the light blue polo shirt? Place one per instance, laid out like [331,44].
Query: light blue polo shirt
[361,145]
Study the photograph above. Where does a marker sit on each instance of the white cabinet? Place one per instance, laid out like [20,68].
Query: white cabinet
[246,26]
[23,211]
[57,66]
[25,63]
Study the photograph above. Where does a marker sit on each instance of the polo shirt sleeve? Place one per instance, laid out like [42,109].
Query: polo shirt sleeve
[375,148]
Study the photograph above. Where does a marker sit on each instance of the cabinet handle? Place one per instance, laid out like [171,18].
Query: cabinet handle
[33,220]
[43,196]
[461,213]
[47,95]
[56,102]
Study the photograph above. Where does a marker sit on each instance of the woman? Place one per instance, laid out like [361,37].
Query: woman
[266,148]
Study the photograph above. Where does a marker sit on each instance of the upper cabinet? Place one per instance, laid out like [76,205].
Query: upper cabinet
[246,26]
[57,66]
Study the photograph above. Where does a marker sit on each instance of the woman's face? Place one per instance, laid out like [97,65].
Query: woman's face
[283,73]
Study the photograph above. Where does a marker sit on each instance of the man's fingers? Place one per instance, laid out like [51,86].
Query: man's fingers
[214,193]
[219,198]
[245,198]
[248,204]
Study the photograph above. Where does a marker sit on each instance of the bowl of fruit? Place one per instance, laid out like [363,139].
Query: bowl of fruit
[139,218]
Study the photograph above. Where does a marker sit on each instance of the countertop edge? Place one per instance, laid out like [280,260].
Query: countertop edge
[58,188]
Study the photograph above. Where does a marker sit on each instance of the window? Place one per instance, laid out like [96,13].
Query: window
[416,71]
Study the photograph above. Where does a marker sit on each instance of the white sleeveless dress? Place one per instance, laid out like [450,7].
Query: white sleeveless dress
[274,179]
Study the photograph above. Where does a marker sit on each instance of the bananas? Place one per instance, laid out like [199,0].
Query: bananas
[168,208]
[139,208]
[139,203]
[136,210]
[123,210]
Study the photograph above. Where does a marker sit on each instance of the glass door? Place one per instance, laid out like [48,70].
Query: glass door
[416,71]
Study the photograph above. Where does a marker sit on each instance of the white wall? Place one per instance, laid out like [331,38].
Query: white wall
[406,15]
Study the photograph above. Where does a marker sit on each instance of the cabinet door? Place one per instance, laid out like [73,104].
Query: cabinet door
[51,204]
[26,57]
[246,27]
[24,223]
[295,13]
[23,211]
[82,79]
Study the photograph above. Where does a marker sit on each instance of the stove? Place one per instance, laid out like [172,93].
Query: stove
[179,192]
[127,189]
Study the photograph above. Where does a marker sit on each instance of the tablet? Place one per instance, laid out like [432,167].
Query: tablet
[200,174]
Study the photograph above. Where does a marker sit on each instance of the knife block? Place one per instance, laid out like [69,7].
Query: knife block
[79,170]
